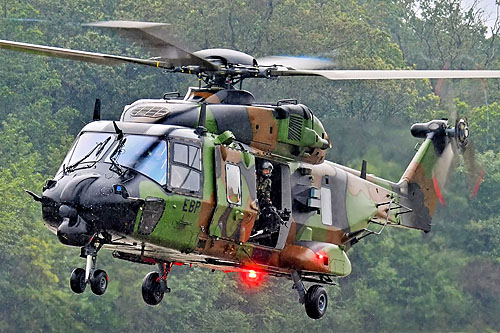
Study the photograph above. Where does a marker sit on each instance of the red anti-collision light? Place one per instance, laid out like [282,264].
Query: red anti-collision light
[252,274]
[323,257]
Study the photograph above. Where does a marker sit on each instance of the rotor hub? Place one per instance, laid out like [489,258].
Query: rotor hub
[462,133]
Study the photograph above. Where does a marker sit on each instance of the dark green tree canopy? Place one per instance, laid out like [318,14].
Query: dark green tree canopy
[402,281]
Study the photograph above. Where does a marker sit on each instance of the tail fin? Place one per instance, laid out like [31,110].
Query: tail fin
[421,184]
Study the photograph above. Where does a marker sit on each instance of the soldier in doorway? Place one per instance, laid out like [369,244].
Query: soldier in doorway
[270,218]
[264,184]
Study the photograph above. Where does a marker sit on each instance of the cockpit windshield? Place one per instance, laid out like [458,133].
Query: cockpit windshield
[145,154]
[88,148]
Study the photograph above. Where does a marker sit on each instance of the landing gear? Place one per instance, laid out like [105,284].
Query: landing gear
[315,299]
[99,282]
[77,281]
[151,289]
[98,279]
[155,286]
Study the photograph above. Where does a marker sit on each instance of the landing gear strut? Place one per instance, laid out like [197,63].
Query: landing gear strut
[98,279]
[315,299]
[154,285]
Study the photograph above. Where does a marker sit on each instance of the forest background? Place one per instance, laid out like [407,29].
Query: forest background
[447,280]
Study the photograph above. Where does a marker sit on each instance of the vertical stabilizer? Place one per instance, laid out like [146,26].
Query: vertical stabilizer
[421,183]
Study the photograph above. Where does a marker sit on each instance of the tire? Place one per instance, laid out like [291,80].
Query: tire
[151,289]
[316,301]
[77,281]
[99,282]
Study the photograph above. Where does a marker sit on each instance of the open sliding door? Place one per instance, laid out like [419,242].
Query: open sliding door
[236,207]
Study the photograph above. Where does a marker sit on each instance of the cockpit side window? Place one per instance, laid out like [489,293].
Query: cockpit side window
[185,169]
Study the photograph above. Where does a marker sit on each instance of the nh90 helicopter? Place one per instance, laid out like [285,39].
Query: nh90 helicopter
[217,180]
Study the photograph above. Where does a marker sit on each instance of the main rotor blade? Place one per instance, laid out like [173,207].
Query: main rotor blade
[97,58]
[390,74]
[127,24]
[154,37]
[299,63]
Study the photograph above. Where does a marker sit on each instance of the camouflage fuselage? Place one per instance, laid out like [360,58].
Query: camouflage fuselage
[205,211]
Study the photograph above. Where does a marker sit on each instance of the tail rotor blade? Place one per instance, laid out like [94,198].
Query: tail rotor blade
[475,172]
[437,189]
[478,183]
[441,171]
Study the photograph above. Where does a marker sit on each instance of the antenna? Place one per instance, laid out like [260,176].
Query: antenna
[363,169]
[201,129]
[97,110]
[118,131]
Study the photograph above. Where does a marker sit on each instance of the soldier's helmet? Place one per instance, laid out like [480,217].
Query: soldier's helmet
[267,169]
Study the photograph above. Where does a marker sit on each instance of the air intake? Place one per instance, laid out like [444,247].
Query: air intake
[149,111]
[295,127]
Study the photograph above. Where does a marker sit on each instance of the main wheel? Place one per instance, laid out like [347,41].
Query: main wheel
[316,301]
[99,282]
[151,289]
[77,281]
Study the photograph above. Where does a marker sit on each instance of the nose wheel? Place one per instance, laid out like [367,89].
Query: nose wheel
[99,282]
[77,281]
[315,300]
[98,279]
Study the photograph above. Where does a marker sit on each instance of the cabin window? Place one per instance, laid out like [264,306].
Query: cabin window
[185,171]
[326,206]
[233,184]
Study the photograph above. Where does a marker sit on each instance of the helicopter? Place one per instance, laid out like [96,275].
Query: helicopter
[217,180]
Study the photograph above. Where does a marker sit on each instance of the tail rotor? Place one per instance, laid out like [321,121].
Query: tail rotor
[459,144]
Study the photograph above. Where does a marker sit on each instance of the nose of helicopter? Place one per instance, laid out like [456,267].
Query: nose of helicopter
[80,206]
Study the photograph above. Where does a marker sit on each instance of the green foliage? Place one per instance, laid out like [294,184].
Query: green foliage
[484,119]
[402,281]
[485,239]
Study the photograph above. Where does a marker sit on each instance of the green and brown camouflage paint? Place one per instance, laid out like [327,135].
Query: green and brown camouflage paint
[212,226]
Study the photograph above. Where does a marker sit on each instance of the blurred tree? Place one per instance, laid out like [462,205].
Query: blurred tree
[402,281]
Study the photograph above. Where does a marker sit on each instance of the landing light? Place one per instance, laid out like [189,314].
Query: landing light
[252,279]
[252,274]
